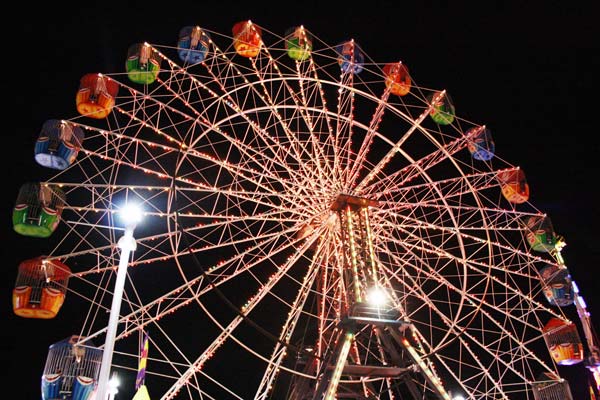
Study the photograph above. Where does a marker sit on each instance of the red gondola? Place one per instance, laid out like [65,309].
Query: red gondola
[563,342]
[96,95]
[246,38]
[397,78]
[514,185]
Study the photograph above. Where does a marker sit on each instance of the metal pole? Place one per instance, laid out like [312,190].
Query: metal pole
[127,245]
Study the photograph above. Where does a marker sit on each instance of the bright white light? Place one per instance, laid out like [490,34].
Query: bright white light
[113,384]
[376,296]
[459,397]
[131,214]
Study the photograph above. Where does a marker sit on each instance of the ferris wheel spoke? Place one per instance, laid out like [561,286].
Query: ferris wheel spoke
[175,301]
[280,350]
[314,83]
[344,127]
[180,296]
[383,161]
[297,103]
[437,349]
[367,141]
[301,150]
[480,269]
[245,172]
[452,188]
[110,149]
[234,170]
[242,260]
[254,154]
[282,87]
[226,332]
[487,339]
[402,176]
[481,227]
[157,114]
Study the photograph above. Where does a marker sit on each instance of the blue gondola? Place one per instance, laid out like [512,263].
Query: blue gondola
[71,371]
[193,44]
[350,57]
[83,387]
[58,144]
[558,286]
[481,145]
[51,385]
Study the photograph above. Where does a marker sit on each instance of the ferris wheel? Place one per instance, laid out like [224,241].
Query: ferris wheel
[316,225]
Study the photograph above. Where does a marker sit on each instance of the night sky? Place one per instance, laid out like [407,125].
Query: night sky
[529,73]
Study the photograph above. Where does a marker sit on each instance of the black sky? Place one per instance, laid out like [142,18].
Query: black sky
[528,72]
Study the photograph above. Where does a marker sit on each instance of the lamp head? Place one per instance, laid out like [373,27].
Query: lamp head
[131,215]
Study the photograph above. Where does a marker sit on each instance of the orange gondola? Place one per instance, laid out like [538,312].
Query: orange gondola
[40,288]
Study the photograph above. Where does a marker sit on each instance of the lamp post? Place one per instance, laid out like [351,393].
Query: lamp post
[131,216]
